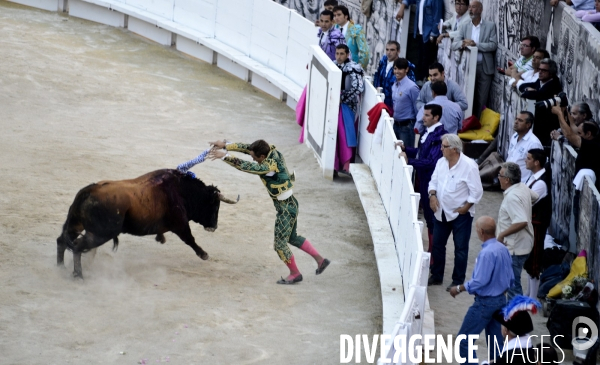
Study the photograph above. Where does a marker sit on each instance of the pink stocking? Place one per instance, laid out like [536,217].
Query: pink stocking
[294,272]
[309,249]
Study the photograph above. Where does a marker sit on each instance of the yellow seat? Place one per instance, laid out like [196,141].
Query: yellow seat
[490,120]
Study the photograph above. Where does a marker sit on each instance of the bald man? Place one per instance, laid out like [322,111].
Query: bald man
[492,276]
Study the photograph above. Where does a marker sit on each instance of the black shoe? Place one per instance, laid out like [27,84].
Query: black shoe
[452,286]
[431,282]
[283,281]
[323,266]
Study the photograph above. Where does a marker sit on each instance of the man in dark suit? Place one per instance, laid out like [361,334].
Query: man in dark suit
[546,87]
[424,158]
[481,34]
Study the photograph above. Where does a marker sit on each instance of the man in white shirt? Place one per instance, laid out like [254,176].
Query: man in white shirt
[522,141]
[541,212]
[519,78]
[514,220]
[454,190]
[527,48]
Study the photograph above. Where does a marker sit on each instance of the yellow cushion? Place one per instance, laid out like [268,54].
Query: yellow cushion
[489,125]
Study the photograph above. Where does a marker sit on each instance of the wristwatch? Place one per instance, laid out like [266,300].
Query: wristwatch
[458,288]
[432,194]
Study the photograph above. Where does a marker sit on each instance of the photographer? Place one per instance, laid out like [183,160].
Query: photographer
[586,139]
[546,87]
[579,112]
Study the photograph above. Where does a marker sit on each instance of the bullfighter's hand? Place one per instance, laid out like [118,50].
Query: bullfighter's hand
[400,144]
[216,154]
[434,204]
[218,144]
[403,155]
[462,210]
[454,292]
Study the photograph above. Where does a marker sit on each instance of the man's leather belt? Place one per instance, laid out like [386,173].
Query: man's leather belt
[404,122]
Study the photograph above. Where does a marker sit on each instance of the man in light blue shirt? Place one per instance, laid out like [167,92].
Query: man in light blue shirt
[452,115]
[492,277]
[404,95]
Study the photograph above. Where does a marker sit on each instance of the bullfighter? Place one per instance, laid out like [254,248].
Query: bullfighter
[269,164]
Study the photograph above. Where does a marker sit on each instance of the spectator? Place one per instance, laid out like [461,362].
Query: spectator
[453,115]
[384,77]
[579,113]
[429,13]
[481,34]
[590,16]
[544,88]
[516,327]
[492,276]
[586,140]
[455,93]
[540,182]
[424,158]
[327,5]
[330,4]
[528,46]
[519,78]
[522,141]
[352,86]
[576,4]
[404,95]
[353,34]
[454,190]
[514,220]
[329,37]
[456,21]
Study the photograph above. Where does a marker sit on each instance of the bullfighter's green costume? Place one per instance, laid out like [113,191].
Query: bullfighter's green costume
[279,183]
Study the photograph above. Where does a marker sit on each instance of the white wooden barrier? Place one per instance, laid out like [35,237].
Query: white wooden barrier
[258,41]
[392,177]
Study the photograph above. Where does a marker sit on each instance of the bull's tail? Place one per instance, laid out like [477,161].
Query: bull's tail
[115,243]
[70,229]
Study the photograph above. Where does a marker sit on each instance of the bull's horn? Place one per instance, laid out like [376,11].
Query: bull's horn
[228,201]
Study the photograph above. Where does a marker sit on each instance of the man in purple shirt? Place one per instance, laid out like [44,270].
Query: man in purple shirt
[492,276]
[329,36]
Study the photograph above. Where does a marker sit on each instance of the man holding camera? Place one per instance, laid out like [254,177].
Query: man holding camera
[543,91]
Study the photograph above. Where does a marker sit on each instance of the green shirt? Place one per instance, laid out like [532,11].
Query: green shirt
[277,183]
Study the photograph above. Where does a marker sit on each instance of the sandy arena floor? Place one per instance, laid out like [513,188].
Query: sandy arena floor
[83,102]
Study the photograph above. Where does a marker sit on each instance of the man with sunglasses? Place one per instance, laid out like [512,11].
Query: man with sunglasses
[547,86]
[452,25]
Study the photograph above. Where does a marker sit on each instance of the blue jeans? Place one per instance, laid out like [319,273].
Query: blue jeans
[479,318]
[461,229]
[517,265]
[406,133]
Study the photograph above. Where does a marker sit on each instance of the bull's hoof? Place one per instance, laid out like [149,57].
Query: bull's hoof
[204,256]
[77,275]
[160,238]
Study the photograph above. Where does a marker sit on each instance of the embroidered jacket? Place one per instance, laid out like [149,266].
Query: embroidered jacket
[272,171]
[357,42]
[334,38]
[386,80]
[352,83]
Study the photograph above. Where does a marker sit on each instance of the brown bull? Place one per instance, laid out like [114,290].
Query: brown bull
[152,204]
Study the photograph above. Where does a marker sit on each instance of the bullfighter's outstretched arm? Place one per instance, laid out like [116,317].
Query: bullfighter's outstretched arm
[238,147]
[268,165]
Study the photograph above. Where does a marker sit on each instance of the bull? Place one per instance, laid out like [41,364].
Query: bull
[152,204]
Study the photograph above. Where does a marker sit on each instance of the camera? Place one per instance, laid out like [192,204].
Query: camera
[560,99]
